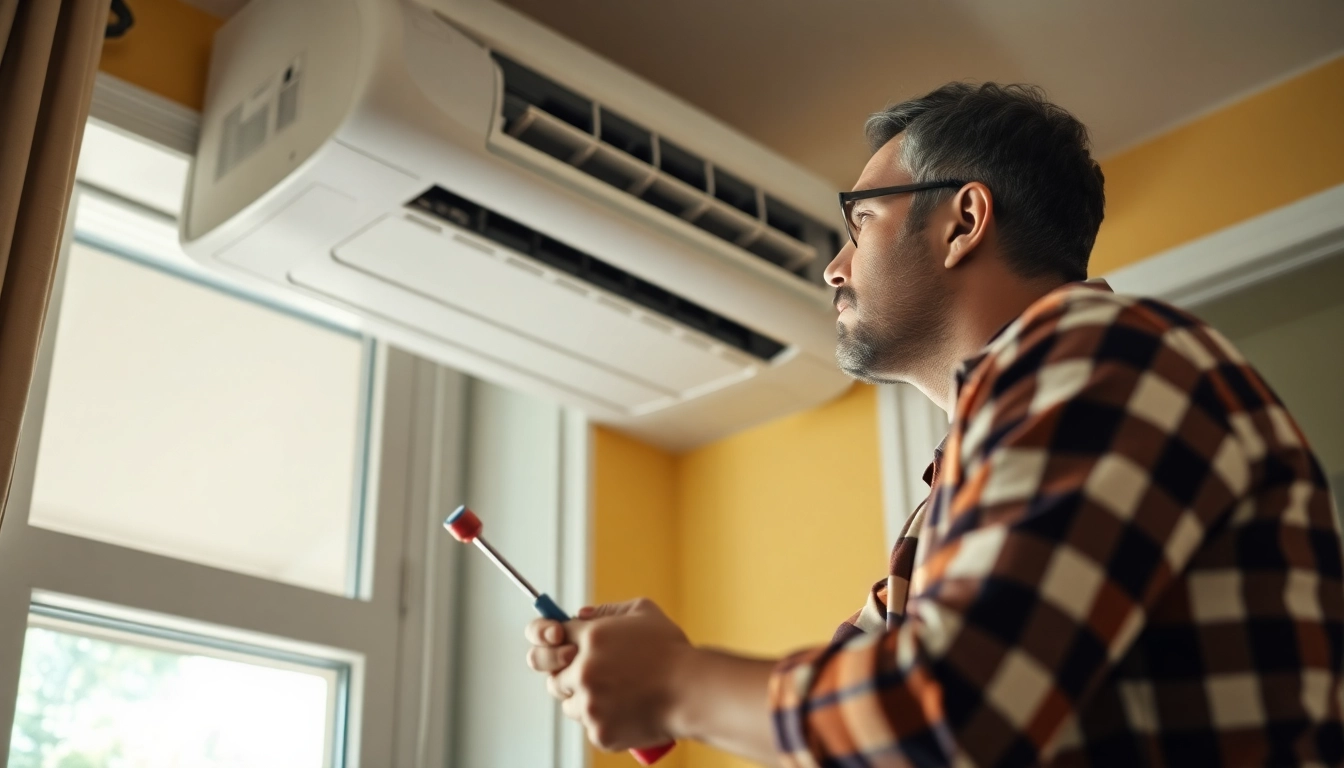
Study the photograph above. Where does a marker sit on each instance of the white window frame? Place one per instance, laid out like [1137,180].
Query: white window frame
[459,711]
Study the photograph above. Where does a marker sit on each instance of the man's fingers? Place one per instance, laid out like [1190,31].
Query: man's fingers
[566,679]
[547,659]
[557,691]
[572,707]
[545,632]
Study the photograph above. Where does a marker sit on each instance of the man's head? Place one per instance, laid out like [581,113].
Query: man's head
[1028,212]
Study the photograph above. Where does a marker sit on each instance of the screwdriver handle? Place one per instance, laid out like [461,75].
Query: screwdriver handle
[549,610]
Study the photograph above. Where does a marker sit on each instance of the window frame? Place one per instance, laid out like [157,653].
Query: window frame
[60,613]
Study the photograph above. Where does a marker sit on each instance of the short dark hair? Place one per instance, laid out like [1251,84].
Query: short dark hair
[1034,156]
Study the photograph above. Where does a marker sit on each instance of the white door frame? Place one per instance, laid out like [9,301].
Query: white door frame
[909,427]
[1255,250]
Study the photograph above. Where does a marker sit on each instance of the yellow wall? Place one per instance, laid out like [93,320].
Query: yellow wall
[1264,152]
[781,533]
[774,534]
[634,522]
[781,528]
[635,536]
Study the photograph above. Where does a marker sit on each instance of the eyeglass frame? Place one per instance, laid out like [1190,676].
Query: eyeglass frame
[847,199]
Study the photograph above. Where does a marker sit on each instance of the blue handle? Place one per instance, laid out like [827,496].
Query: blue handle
[549,610]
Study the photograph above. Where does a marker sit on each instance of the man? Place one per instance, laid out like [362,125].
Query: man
[1128,556]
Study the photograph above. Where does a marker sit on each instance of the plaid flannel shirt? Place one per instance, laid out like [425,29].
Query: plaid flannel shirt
[1129,557]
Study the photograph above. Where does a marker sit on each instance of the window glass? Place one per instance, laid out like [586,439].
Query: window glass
[91,697]
[187,421]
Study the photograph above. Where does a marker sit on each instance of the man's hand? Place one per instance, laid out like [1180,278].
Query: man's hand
[630,676]
[613,669]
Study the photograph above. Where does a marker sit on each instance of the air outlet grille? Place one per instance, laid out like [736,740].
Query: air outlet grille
[454,209]
[607,146]
[243,136]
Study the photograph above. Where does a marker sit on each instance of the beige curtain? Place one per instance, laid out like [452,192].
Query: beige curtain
[48,57]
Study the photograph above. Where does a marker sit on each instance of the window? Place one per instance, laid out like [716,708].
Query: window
[223,540]
[96,691]
[200,564]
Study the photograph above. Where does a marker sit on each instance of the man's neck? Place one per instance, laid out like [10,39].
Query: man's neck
[975,319]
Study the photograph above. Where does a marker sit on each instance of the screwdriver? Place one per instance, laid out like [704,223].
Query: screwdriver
[466,528]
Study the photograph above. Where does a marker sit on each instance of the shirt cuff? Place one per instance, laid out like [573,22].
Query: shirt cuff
[790,695]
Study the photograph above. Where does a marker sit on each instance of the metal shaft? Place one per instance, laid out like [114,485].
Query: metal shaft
[504,566]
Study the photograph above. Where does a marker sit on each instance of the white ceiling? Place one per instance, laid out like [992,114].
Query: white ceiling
[801,75]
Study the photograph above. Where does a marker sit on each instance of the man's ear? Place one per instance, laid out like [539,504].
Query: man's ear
[972,211]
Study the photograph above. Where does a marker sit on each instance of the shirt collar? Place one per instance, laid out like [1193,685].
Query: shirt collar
[931,472]
[971,363]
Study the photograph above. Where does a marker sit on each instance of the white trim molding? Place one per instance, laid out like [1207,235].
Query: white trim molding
[144,113]
[526,474]
[430,599]
[574,589]
[1257,249]
[910,426]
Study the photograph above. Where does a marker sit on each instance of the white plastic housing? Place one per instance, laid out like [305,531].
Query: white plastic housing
[326,119]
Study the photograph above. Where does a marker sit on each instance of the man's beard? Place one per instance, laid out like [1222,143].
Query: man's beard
[903,321]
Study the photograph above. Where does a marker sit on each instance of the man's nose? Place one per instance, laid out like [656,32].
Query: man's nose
[837,272]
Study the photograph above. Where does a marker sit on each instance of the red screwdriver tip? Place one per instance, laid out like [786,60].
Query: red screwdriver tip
[463,524]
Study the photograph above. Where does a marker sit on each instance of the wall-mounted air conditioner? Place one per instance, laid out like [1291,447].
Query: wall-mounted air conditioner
[486,193]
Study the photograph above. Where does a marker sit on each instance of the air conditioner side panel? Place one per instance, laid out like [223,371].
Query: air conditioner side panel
[454,73]
[283,76]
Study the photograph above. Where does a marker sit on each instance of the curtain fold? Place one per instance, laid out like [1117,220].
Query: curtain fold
[49,53]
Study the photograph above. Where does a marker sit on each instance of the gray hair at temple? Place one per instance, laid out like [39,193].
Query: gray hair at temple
[1034,156]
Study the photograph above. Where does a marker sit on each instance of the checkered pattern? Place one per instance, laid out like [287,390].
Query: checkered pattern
[1129,557]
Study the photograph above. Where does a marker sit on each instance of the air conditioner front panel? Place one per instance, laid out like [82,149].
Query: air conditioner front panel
[688,262]
[464,341]
[476,278]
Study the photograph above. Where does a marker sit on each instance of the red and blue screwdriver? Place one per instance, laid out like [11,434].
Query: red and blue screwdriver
[466,528]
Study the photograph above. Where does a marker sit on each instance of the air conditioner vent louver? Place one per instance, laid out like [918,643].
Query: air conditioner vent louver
[555,120]
[454,209]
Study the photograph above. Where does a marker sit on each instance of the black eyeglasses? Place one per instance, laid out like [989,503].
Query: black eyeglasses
[847,199]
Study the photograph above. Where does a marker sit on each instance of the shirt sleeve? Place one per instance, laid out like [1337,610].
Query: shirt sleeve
[1087,459]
